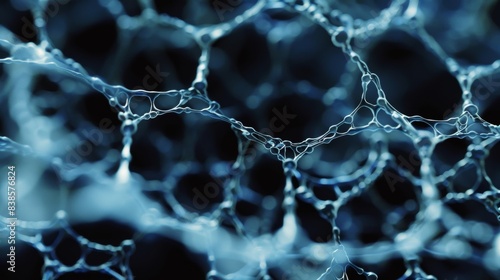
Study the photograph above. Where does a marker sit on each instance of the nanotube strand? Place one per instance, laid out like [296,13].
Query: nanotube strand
[259,139]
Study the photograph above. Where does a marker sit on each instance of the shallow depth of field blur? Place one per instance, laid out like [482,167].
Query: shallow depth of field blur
[251,139]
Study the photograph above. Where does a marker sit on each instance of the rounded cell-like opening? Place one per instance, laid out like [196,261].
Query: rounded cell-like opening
[240,62]
[326,193]
[157,145]
[160,144]
[96,126]
[266,177]
[140,105]
[90,41]
[315,226]
[294,117]
[260,193]
[312,57]
[364,232]
[164,102]
[98,257]
[169,64]
[68,251]
[388,207]
[466,179]
[247,76]
[465,32]
[199,192]
[448,153]
[414,80]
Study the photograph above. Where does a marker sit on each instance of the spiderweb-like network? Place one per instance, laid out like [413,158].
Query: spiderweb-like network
[265,139]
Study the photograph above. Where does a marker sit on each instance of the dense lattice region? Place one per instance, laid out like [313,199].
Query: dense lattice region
[259,139]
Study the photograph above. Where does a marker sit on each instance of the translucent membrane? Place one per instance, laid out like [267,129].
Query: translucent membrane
[252,139]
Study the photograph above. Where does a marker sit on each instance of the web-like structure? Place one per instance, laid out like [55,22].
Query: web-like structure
[265,139]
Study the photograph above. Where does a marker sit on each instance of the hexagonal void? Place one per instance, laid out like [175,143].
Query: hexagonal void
[466,32]
[414,80]
[169,63]
[447,153]
[68,250]
[378,214]
[467,180]
[90,120]
[272,75]
[205,11]
[486,95]
[200,192]
[85,32]
[312,223]
[171,139]
[261,193]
